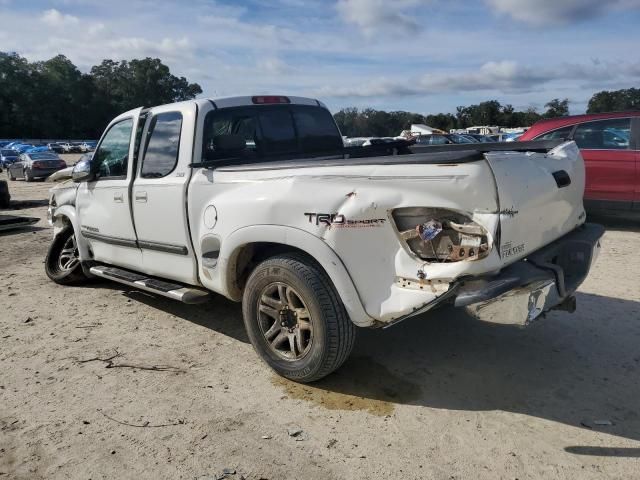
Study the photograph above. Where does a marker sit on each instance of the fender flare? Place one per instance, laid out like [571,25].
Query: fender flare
[308,243]
[69,212]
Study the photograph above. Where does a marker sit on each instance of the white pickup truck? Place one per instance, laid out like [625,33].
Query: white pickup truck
[257,199]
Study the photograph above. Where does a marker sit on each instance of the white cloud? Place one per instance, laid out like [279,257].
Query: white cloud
[502,76]
[540,12]
[55,18]
[372,16]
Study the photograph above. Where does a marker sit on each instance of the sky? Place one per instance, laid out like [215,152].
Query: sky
[424,56]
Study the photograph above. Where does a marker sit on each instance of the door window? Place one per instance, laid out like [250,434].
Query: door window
[559,134]
[163,145]
[611,134]
[112,156]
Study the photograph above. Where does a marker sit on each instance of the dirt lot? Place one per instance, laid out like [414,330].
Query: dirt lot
[440,396]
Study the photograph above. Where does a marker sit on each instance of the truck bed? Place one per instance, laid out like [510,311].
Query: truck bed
[384,155]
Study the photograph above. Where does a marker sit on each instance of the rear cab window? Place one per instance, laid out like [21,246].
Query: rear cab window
[269,132]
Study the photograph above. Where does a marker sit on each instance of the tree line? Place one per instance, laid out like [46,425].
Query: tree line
[354,122]
[53,99]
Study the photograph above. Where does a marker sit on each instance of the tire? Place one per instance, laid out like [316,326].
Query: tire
[58,264]
[312,312]
[27,176]
[5,198]
[10,175]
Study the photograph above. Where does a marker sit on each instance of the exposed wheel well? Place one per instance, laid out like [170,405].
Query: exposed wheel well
[246,258]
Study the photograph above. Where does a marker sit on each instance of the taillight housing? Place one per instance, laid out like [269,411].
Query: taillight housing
[37,165]
[63,164]
[441,235]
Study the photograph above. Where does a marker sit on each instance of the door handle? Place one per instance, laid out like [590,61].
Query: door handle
[118,198]
[141,197]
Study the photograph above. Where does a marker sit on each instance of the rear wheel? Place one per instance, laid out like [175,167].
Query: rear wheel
[28,176]
[11,177]
[295,319]
[62,264]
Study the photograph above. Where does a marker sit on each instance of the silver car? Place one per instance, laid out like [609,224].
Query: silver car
[35,165]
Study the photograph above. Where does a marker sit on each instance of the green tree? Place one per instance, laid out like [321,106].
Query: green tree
[53,99]
[605,101]
[557,108]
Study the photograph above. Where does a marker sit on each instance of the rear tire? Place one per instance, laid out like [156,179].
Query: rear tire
[28,177]
[295,319]
[62,263]
[11,177]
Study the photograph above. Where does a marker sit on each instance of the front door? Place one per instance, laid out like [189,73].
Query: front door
[610,162]
[160,192]
[104,205]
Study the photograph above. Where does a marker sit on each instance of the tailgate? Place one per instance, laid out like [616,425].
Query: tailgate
[539,196]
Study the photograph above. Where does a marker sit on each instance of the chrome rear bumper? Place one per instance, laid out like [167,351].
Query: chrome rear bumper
[545,280]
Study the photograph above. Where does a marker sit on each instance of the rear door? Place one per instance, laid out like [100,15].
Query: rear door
[635,135]
[104,205]
[610,163]
[160,190]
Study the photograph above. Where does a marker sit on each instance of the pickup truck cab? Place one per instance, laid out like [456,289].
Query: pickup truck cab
[257,199]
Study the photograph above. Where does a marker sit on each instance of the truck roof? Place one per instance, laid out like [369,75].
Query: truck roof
[242,101]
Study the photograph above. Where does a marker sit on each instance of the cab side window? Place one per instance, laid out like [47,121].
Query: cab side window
[611,134]
[163,145]
[112,156]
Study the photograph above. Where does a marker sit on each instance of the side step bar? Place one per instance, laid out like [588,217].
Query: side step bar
[175,291]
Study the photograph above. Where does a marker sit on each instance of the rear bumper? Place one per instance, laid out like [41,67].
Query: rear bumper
[546,280]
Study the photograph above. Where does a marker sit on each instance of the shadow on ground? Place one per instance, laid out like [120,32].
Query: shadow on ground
[617,222]
[574,369]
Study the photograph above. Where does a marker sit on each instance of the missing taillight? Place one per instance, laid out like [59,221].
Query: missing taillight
[440,235]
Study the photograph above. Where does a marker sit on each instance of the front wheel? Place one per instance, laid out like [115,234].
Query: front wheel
[62,264]
[295,319]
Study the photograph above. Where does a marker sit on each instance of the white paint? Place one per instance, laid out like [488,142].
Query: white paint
[365,263]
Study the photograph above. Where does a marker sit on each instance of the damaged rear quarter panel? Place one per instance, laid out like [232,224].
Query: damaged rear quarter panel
[359,200]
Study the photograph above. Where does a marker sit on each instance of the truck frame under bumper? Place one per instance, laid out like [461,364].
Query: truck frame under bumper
[545,280]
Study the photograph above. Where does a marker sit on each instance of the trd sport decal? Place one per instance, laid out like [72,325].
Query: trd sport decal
[340,221]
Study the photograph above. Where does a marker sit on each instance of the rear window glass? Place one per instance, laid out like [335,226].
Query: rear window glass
[43,156]
[269,131]
[611,134]
[9,153]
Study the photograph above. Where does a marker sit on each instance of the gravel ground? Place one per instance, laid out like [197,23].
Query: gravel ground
[440,396]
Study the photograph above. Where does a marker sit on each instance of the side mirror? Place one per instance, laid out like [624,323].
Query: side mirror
[82,171]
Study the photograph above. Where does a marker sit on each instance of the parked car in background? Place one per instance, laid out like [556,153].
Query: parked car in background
[68,147]
[36,149]
[55,147]
[479,137]
[22,147]
[444,139]
[87,147]
[35,165]
[610,146]
[7,157]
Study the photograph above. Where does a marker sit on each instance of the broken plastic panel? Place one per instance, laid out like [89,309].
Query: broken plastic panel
[441,235]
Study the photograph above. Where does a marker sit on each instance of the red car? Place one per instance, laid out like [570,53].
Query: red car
[610,145]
